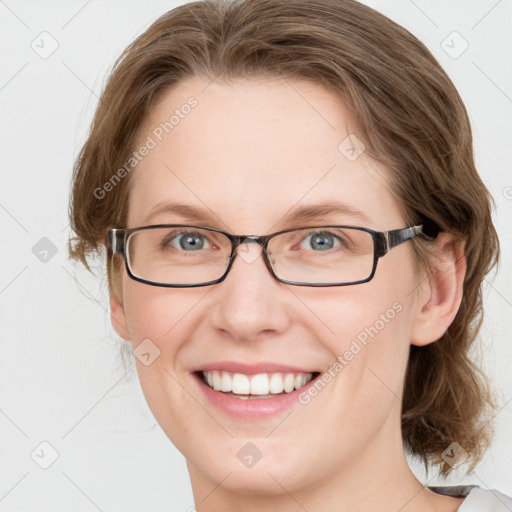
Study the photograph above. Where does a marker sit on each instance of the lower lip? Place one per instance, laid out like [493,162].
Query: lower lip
[252,408]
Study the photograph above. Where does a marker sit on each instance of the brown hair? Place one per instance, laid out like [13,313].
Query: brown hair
[410,117]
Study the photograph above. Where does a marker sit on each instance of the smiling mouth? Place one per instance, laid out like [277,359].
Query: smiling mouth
[258,386]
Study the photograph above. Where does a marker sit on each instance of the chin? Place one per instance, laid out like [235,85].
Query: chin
[268,475]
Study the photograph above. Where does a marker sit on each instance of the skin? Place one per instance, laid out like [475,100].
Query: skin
[251,151]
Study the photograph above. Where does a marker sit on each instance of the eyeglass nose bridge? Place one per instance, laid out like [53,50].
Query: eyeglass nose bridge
[251,256]
[240,248]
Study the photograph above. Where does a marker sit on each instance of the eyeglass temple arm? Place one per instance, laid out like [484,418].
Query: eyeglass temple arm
[115,241]
[389,239]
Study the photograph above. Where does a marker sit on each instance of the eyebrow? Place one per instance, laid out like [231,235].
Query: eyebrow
[294,215]
[317,211]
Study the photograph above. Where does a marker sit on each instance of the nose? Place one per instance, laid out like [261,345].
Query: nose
[250,303]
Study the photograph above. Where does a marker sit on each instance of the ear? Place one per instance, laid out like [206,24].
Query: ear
[439,299]
[117,314]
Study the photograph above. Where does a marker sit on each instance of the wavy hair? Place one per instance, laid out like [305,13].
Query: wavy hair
[411,119]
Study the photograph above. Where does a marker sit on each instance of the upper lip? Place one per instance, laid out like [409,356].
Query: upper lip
[252,368]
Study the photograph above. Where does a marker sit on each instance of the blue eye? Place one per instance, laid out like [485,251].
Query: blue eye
[190,241]
[321,241]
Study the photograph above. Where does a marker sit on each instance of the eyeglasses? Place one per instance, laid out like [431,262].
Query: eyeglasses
[182,255]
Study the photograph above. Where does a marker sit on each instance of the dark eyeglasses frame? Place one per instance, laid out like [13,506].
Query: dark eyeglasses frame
[383,242]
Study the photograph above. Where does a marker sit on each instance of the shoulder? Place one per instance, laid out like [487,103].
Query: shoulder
[477,499]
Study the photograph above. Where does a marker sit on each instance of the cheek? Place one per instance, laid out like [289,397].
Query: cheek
[374,351]
[158,313]
[379,334]
[366,329]
[159,319]
[349,320]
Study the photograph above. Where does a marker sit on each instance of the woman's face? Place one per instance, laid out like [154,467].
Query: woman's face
[248,155]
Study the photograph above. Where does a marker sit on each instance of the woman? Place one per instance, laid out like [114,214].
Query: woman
[297,237]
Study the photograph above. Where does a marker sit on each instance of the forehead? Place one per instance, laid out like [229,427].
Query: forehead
[249,151]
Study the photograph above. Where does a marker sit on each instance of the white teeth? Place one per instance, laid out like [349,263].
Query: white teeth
[226,382]
[241,384]
[276,383]
[216,381]
[259,384]
[289,382]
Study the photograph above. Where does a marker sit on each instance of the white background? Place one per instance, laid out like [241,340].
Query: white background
[63,379]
